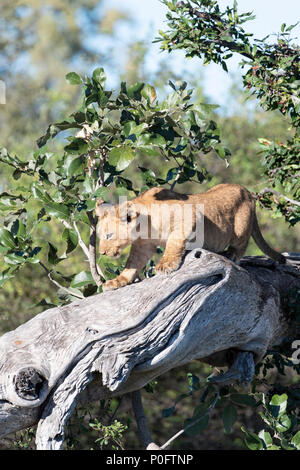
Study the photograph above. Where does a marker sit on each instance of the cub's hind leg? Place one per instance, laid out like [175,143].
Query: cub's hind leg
[235,253]
[242,230]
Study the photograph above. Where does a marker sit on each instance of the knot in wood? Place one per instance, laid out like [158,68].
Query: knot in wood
[28,383]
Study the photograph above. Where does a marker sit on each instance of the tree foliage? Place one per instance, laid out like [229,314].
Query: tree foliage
[104,136]
[272,74]
[128,141]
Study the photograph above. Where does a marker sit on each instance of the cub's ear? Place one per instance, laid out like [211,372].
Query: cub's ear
[102,207]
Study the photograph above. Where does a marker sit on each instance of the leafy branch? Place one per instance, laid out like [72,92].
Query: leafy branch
[105,136]
[201,29]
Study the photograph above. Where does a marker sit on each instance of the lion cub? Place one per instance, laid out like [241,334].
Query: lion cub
[160,217]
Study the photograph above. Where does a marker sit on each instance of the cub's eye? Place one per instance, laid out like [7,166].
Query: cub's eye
[128,219]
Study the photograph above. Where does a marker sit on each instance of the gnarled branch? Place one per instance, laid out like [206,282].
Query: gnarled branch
[115,343]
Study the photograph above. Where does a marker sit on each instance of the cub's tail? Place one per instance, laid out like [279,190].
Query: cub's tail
[263,245]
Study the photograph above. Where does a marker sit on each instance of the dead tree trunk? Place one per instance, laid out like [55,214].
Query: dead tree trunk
[114,343]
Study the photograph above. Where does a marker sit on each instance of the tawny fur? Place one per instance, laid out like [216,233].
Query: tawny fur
[229,222]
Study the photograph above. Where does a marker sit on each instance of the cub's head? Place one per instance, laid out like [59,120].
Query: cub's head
[117,226]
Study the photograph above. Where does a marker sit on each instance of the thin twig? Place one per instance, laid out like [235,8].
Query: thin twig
[176,179]
[83,245]
[92,248]
[86,250]
[208,411]
[178,175]
[81,242]
[141,421]
[276,193]
[95,269]
[70,292]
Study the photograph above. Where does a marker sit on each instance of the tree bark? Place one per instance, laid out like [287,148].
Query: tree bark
[116,342]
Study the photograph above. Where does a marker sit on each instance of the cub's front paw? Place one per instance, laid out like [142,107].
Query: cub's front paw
[119,281]
[167,266]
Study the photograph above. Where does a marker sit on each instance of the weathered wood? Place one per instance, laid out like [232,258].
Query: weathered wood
[118,341]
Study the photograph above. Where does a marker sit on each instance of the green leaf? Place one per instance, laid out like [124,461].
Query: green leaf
[131,128]
[205,108]
[17,174]
[283,424]
[121,157]
[70,236]
[99,76]
[76,146]
[242,399]
[72,165]
[292,26]
[149,151]
[14,227]
[87,186]
[40,193]
[195,425]
[277,405]
[265,437]
[6,276]
[59,211]
[14,259]
[150,140]
[73,78]
[229,418]
[121,182]
[253,442]
[82,279]
[172,173]
[296,440]
[134,91]
[101,192]
[224,66]
[149,93]
[227,37]
[52,255]
[286,445]
[6,238]
[32,260]
[199,411]
[21,230]
[171,6]
[68,297]
[148,176]
[193,382]
[221,151]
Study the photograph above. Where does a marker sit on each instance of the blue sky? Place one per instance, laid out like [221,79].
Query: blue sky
[149,17]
